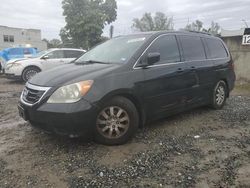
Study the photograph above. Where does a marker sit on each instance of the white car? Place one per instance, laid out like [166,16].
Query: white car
[24,69]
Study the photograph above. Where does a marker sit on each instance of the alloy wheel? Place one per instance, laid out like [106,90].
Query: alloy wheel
[29,74]
[113,122]
[220,95]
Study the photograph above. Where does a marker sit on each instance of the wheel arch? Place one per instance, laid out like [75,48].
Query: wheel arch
[30,66]
[226,82]
[128,94]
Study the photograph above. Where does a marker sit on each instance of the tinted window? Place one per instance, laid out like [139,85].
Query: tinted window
[216,49]
[56,54]
[72,54]
[192,48]
[167,47]
[27,51]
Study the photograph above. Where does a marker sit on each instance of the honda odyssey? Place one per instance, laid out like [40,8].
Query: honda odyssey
[127,81]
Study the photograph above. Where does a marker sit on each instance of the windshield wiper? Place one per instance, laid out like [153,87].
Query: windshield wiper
[92,62]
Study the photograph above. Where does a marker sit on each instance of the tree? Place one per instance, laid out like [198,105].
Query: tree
[148,23]
[85,21]
[54,43]
[195,26]
[214,29]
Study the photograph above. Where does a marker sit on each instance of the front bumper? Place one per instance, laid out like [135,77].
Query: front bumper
[16,71]
[76,119]
[12,76]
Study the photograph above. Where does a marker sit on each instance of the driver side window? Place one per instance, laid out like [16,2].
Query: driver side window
[167,47]
[56,54]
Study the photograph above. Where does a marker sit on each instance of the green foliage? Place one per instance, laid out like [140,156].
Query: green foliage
[54,43]
[85,21]
[195,26]
[157,23]
[214,29]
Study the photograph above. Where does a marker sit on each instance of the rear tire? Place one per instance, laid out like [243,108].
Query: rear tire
[116,122]
[219,95]
[29,72]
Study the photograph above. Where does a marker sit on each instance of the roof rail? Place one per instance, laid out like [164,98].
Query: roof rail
[201,32]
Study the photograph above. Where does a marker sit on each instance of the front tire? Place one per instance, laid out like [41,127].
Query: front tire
[219,95]
[29,72]
[116,122]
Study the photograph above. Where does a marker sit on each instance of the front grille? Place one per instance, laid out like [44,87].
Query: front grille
[33,94]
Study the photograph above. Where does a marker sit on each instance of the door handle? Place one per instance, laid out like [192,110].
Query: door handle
[193,68]
[180,70]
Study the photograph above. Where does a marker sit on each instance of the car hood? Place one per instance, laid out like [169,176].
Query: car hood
[16,60]
[22,60]
[71,73]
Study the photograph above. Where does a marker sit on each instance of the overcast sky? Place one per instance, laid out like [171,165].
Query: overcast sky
[47,14]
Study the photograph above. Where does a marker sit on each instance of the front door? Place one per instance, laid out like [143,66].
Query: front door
[53,59]
[167,81]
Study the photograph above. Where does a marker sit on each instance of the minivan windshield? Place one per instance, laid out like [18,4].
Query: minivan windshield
[116,50]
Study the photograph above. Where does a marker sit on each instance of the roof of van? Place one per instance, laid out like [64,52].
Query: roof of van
[196,33]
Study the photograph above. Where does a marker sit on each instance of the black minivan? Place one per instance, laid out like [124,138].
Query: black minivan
[127,81]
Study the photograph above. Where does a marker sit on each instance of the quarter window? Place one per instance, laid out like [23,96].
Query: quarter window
[168,49]
[192,48]
[216,49]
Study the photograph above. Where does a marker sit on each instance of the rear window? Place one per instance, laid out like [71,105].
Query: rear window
[215,49]
[192,48]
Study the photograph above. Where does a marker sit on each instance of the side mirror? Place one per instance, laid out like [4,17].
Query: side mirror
[45,57]
[153,58]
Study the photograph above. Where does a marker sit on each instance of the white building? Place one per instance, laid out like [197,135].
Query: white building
[18,37]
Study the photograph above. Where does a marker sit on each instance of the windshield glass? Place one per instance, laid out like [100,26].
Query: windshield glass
[117,50]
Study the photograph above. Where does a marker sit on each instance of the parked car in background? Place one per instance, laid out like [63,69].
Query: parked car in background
[24,69]
[15,53]
[127,81]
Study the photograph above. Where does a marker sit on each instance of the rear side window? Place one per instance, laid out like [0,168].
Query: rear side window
[168,49]
[192,48]
[72,54]
[215,49]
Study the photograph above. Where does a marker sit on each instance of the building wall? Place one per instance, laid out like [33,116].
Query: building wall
[22,37]
[241,56]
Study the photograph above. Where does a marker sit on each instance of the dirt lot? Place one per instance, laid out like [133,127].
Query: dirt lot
[202,148]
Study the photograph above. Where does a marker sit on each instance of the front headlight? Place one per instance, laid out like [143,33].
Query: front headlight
[71,93]
[16,64]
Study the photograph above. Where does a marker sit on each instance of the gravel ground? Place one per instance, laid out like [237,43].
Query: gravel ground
[199,148]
